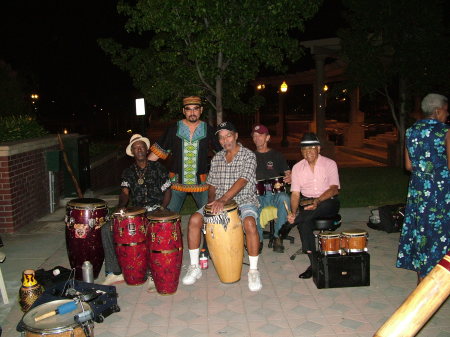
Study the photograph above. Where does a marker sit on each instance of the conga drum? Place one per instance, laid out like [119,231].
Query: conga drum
[225,239]
[329,243]
[59,325]
[84,219]
[130,236]
[165,250]
[354,241]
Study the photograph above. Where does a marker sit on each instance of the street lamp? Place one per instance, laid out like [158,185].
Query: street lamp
[283,90]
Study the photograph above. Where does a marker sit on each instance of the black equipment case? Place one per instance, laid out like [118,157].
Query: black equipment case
[338,271]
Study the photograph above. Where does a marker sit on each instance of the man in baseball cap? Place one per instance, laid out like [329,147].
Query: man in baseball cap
[231,177]
[272,173]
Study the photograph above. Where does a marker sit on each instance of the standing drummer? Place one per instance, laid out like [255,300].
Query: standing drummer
[232,176]
[146,184]
[270,164]
[315,177]
[188,142]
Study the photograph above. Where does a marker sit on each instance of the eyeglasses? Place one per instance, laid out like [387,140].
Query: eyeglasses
[197,108]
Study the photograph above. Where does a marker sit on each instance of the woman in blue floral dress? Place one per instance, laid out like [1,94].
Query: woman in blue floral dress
[425,236]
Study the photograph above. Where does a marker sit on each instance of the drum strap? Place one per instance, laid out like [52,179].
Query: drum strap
[168,251]
[132,244]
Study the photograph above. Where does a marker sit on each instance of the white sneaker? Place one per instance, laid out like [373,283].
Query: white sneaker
[113,279]
[193,274]
[254,280]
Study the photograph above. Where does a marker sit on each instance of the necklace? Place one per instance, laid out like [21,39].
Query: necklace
[141,175]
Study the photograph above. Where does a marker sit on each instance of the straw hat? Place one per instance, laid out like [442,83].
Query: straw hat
[136,138]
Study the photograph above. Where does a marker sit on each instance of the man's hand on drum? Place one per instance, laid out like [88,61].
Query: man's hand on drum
[312,206]
[217,206]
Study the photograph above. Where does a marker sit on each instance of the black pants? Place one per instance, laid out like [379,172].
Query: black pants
[305,221]
[111,263]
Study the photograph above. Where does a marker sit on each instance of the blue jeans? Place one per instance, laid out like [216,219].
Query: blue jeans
[178,197]
[277,200]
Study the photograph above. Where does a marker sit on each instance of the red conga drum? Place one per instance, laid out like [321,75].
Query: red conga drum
[130,236]
[84,219]
[165,249]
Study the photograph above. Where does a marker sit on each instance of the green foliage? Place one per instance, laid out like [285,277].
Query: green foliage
[392,39]
[19,127]
[208,48]
[372,186]
[12,97]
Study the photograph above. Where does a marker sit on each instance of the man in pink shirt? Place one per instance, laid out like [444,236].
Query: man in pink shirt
[314,189]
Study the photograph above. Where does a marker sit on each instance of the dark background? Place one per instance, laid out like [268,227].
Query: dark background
[52,45]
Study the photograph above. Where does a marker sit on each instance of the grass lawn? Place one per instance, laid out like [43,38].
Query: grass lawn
[360,187]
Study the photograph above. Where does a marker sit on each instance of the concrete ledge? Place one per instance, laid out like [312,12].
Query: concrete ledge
[21,146]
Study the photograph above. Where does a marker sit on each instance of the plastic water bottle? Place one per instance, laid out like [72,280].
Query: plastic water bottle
[88,272]
[203,259]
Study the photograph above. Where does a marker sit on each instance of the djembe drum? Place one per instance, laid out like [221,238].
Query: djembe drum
[165,250]
[84,219]
[130,236]
[225,239]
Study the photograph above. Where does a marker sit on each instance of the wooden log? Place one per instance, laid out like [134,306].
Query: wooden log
[421,304]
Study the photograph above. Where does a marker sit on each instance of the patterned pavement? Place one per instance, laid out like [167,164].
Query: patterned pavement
[286,306]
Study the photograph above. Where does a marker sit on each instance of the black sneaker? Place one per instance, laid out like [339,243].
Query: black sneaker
[278,245]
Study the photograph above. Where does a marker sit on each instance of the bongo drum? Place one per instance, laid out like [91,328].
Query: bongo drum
[329,243]
[272,185]
[84,218]
[165,250]
[354,241]
[58,325]
[225,239]
[130,235]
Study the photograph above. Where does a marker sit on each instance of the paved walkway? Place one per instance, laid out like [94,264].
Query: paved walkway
[286,306]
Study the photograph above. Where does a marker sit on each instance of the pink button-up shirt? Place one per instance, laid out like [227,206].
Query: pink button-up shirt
[312,184]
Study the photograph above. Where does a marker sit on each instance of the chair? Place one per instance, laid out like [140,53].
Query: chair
[2,281]
[323,224]
[267,218]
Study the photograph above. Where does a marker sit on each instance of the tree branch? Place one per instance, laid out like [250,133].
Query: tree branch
[200,75]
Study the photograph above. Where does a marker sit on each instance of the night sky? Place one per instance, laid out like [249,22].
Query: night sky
[52,44]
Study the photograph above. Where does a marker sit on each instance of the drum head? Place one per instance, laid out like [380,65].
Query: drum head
[54,324]
[164,214]
[329,235]
[131,211]
[231,204]
[87,203]
[355,232]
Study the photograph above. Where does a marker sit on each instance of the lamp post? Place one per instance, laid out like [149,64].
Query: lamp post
[283,90]
[259,88]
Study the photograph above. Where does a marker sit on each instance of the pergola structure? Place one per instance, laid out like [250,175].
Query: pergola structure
[323,73]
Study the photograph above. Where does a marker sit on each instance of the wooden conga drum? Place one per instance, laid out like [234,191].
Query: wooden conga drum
[130,236]
[84,219]
[421,304]
[225,239]
[165,250]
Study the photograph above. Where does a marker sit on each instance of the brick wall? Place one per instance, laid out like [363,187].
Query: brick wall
[24,182]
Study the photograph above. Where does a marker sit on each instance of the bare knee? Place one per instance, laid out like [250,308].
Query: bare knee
[250,225]
[195,221]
